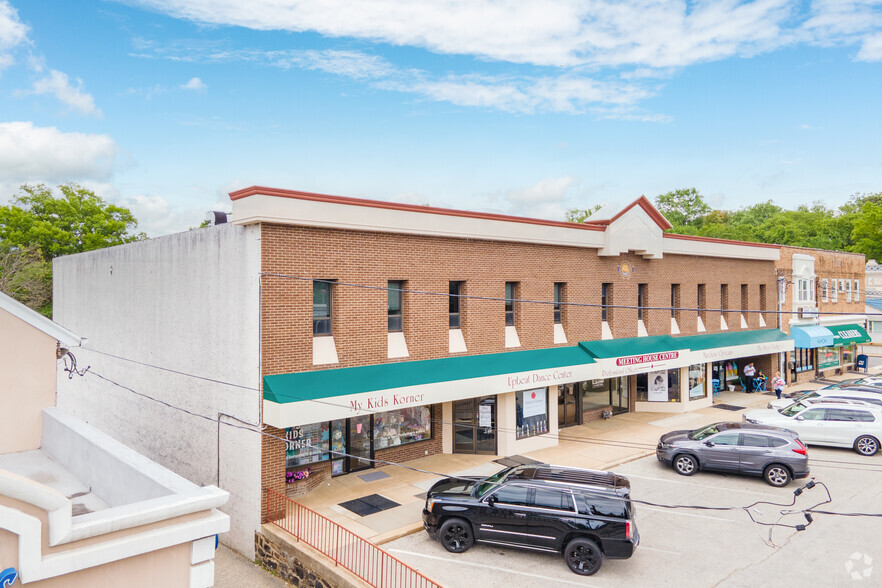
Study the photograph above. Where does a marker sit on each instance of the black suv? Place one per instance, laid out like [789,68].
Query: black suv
[584,514]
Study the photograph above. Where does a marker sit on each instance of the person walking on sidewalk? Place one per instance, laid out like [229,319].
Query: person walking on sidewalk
[778,384]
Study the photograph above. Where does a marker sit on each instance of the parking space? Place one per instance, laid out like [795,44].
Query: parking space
[694,547]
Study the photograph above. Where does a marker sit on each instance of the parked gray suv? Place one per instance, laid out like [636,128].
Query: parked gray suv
[774,453]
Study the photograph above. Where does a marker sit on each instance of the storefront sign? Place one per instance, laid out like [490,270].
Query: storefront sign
[657,386]
[648,358]
[485,415]
[534,402]
[518,381]
[8,577]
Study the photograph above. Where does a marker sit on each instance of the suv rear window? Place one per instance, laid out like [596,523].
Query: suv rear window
[843,414]
[753,440]
[777,442]
[606,507]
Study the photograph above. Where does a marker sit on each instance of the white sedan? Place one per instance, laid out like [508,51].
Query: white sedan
[838,423]
[829,394]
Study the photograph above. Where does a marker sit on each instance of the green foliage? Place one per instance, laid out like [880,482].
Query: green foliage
[867,233]
[77,220]
[683,206]
[580,215]
[26,277]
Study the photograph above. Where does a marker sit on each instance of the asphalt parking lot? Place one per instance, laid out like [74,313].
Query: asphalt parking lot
[685,547]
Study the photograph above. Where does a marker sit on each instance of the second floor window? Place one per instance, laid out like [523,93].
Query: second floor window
[641,301]
[857,295]
[510,295]
[762,297]
[824,289]
[321,307]
[454,304]
[848,290]
[702,300]
[724,298]
[558,300]
[605,294]
[744,298]
[395,288]
[675,301]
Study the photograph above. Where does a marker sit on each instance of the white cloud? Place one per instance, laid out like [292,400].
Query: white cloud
[871,50]
[45,154]
[656,33]
[157,216]
[194,84]
[58,84]
[544,191]
[12,33]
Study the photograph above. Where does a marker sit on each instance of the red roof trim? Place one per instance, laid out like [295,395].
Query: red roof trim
[264,191]
[725,241]
[647,206]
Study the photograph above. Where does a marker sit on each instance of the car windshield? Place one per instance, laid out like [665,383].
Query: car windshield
[699,434]
[793,409]
[808,395]
[487,484]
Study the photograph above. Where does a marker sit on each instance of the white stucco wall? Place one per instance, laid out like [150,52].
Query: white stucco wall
[187,302]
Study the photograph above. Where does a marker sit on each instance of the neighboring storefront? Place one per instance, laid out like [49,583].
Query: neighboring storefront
[824,348]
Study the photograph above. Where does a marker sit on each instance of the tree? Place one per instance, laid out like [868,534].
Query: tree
[867,234]
[683,206]
[73,222]
[25,276]
[580,215]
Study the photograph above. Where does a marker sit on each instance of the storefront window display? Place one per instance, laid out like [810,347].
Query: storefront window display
[660,386]
[307,444]
[532,412]
[803,359]
[828,357]
[595,394]
[399,427]
[848,354]
[697,389]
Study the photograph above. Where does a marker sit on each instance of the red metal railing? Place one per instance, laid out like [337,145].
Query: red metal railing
[369,562]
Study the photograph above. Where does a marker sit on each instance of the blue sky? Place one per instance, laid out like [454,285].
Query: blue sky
[529,108]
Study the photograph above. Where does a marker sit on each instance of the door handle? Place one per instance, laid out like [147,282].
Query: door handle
[519,514]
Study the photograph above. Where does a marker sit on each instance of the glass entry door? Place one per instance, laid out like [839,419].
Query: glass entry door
[567,405]
[474,425]
[618,395]
[360,446]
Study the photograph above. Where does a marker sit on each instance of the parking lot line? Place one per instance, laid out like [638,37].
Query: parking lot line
[641,547]
[544,578]
[703,486]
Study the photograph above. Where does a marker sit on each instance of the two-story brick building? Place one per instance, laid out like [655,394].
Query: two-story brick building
[822,290]
[360,330]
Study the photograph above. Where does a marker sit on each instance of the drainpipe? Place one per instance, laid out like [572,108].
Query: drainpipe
[781,286]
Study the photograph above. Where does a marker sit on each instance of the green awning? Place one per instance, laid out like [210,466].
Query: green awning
[733,339]
[314,385]
[662,343]
[632,346]
[848,335]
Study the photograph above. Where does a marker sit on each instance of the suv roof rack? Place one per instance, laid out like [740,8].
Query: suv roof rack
[569,475]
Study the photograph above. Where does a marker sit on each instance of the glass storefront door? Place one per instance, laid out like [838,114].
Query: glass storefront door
[474,425]
[618,395]
[360,446]
[567,406]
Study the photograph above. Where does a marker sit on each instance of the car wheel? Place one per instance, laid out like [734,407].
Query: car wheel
[777,475]
[456,535]
[583,556]
[685,465]
[866,445]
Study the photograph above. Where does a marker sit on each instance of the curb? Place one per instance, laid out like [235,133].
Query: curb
[396,534]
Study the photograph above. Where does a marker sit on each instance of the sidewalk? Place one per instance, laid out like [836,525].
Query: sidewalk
[592,445]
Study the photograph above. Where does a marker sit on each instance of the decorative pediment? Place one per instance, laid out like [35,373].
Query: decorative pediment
[637,228]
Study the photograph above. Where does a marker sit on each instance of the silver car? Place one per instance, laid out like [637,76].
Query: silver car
[774,453]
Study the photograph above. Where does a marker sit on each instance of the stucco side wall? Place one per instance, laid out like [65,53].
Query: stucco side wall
[185,303]
[27,362]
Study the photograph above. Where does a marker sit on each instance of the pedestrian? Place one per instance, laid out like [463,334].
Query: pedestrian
[778,384]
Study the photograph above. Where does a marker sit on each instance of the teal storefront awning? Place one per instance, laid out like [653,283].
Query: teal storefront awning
[848,335]
[295,387]
[811,337]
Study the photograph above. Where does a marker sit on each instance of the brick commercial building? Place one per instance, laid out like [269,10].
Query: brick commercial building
[359,330]
[823,291]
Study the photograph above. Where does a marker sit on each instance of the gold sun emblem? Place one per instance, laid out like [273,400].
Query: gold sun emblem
[626,269]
